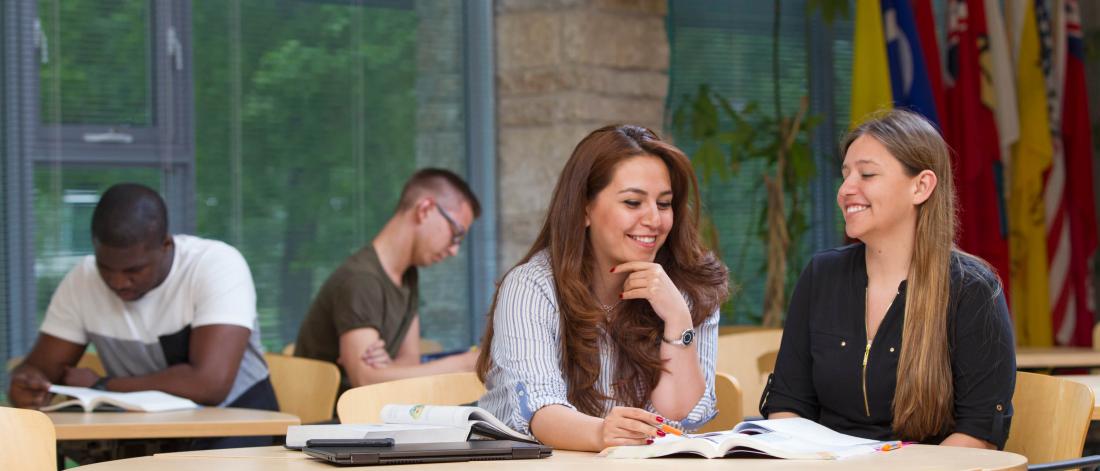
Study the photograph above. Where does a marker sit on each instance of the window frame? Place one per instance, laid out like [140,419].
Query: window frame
[169,146]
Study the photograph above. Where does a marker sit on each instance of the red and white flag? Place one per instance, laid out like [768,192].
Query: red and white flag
[1073,240]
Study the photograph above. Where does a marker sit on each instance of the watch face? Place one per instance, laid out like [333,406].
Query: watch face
[688,336]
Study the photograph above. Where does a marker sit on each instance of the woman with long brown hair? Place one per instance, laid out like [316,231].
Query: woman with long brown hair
[607,328]
[899,336]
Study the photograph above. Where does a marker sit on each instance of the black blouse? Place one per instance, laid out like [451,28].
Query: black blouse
[819,373]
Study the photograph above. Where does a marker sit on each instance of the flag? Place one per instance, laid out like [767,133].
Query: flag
[926,29]
[1031,157]
[973,135]
[909,82]
[1004,84]
[1081,211]
[1052,50]
[870,72]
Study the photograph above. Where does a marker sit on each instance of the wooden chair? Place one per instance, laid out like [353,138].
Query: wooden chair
[29,442]
[91,361]
[363,404]
[728,395]
[1050,419]
[749,356]
[740,328]
[429,346]
[288,350]
[304,387]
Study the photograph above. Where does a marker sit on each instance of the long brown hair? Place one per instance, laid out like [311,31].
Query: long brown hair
[924,399]
[635,331]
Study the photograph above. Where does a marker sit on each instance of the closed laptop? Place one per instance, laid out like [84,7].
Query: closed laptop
[409,453]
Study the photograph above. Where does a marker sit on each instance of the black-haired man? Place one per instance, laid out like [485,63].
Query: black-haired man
[364,317]
[165,312]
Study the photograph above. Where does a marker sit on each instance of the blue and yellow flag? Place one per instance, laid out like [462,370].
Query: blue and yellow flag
[909,80]
[1031,156]
[870,70]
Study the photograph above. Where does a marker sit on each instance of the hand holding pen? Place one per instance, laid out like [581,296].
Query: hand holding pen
[633,426]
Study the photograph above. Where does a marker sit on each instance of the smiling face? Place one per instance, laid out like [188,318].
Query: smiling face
[631,217]
[878,197]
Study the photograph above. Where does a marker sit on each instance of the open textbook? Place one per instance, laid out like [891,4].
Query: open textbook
[795,438]
[94,399]
[415,423]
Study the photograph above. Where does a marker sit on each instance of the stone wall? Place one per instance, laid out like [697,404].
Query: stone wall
[564,68]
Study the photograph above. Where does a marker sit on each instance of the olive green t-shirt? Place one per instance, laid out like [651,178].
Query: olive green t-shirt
[358,294]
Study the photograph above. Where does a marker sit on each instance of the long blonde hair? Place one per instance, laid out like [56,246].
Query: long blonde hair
[924,399]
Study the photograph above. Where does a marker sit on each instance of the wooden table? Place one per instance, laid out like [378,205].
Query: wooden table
[913,457]
[202,422]
[1057,357]
[1092,381]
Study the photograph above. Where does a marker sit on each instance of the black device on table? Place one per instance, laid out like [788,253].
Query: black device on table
[408,453]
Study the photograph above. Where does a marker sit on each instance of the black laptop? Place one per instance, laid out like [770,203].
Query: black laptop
[409,453]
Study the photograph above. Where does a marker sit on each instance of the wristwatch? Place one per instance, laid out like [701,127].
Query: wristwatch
[683,340]
[101,383]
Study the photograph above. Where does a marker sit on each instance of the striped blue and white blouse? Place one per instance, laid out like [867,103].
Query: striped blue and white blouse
[526,374]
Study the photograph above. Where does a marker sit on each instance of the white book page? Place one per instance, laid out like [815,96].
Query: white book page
[149,401]
[805,430]
[83,395]
[455,416]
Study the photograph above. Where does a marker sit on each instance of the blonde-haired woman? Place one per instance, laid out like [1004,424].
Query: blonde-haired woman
[900,336]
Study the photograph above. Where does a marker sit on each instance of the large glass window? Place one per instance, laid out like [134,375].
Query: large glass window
[309,117]
[727,46]
[283,128]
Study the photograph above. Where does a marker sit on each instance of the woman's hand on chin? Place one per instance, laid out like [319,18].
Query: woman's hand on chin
[649,281]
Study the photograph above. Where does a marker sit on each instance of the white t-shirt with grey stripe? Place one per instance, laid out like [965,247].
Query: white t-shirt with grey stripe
[526,373]
[209,283]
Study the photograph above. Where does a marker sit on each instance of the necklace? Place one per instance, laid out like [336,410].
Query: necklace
[607,309]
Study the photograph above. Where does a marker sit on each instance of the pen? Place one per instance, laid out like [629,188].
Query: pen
[890,446]
[670,429]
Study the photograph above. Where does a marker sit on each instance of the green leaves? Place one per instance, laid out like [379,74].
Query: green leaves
[728,137]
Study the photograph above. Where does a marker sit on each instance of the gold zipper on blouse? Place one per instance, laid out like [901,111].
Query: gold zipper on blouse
[866,354]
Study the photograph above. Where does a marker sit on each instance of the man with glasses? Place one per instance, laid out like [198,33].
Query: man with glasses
[364,318]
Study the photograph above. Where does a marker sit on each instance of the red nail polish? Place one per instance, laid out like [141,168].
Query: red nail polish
[660,433]
[660,419]
[612,269]
[649,441]
[620,295]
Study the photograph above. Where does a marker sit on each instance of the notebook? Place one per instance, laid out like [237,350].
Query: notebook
[481,450]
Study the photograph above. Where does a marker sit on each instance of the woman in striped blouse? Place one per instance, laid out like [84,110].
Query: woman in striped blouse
[608,326]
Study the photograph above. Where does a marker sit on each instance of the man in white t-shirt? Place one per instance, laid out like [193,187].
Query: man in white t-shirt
[169,313]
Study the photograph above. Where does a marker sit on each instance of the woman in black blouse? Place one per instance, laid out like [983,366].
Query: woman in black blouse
[901,336]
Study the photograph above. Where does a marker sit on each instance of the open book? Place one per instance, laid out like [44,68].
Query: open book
[415,423]
[795,438]
[94,399]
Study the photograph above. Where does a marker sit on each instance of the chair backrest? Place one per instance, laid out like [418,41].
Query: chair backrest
[362,405]
[91,361]
[749,355]
[728,395]
[429,346]
[304,387]
[1050,418]
[29,442]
